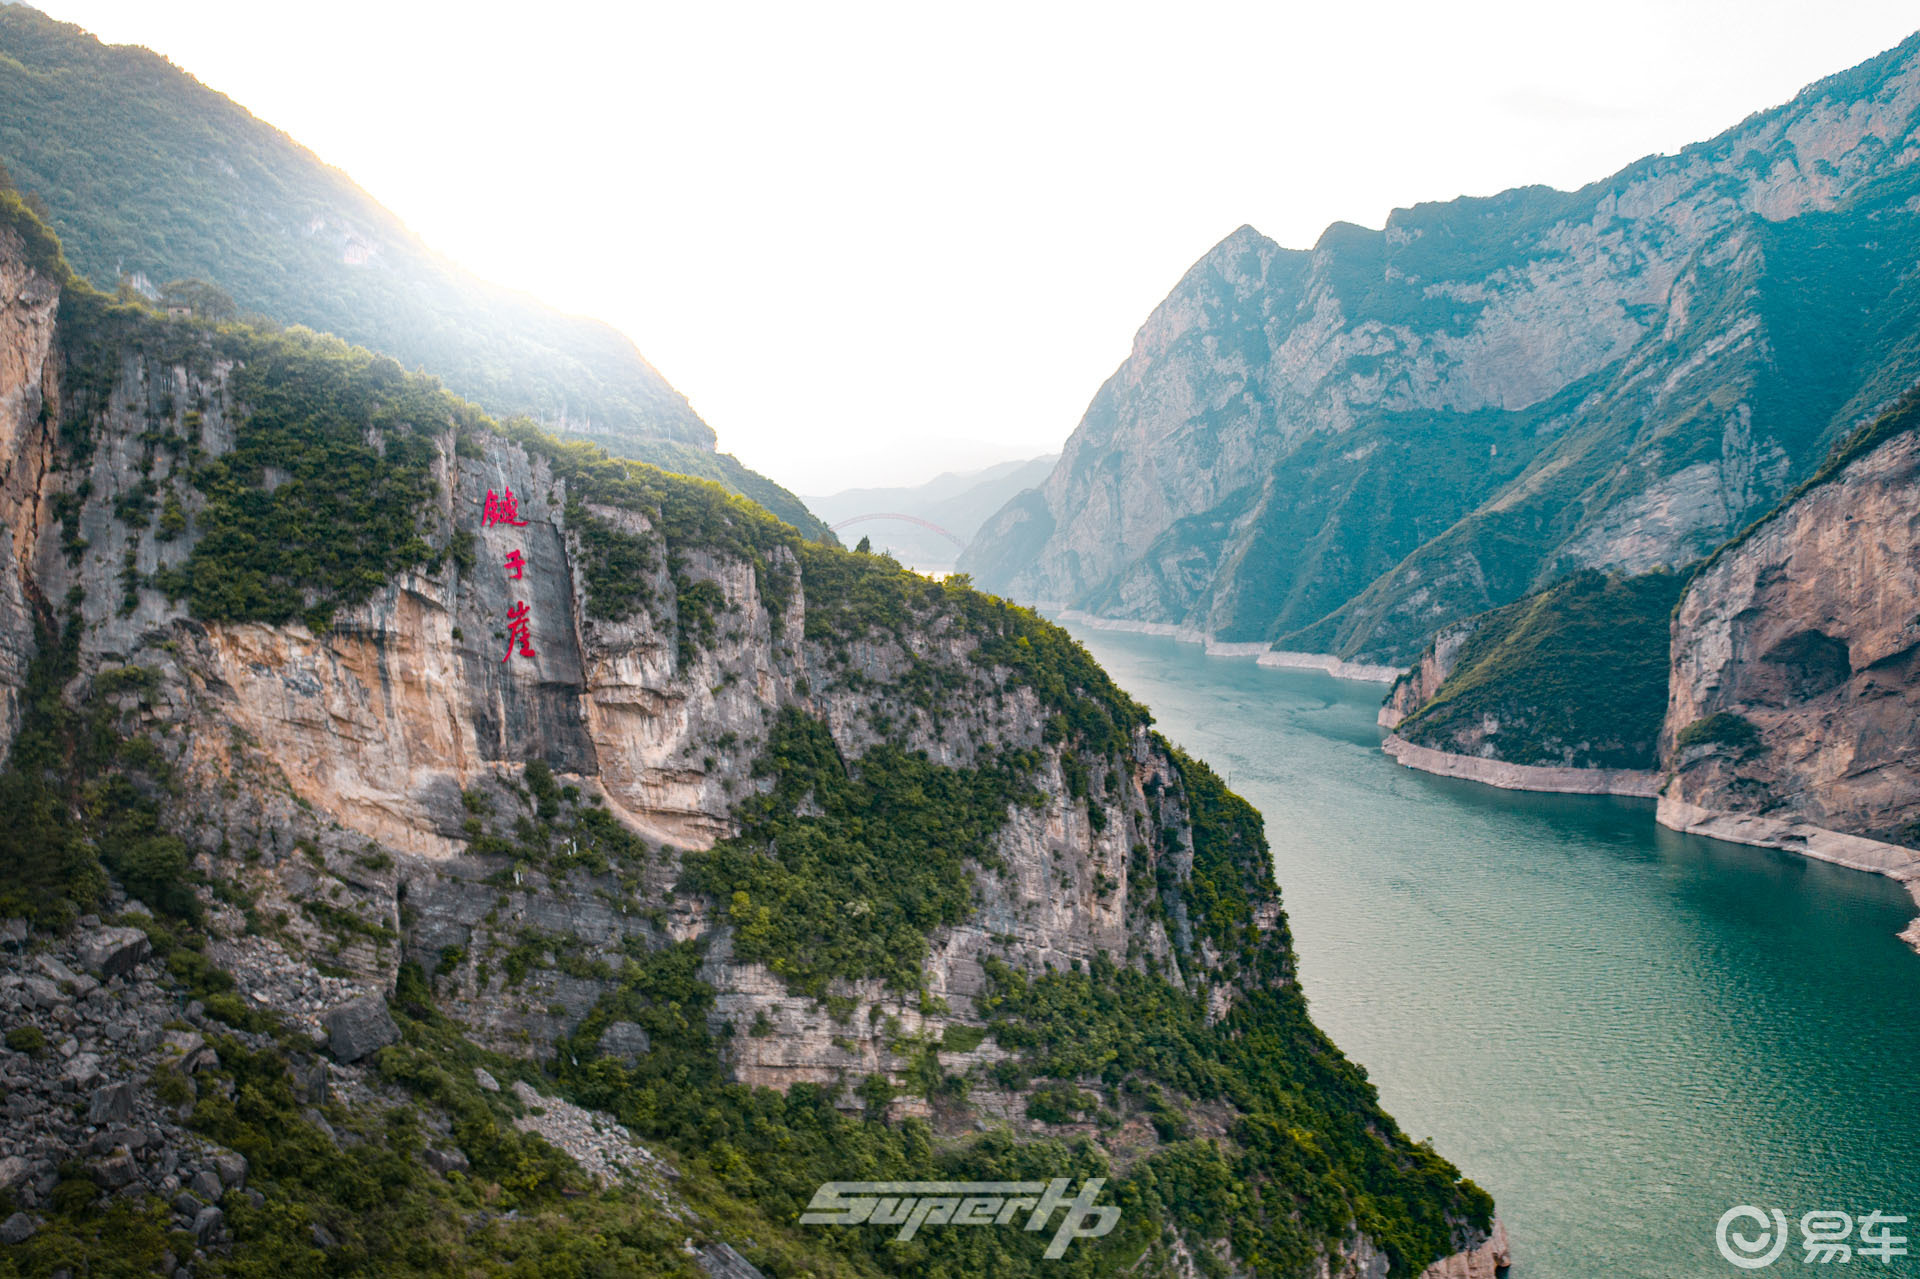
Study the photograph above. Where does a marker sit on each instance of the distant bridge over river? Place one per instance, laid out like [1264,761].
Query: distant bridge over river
[929,525]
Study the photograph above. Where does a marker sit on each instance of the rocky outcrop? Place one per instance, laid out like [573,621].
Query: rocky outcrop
[1794,699]
[1346,449]
[80,1072]
[359,1028]
[1488,1259]
[29,300]
[1414,688]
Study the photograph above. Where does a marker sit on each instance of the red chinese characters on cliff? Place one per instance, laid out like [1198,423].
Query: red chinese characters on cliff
[519,631]
[504,508]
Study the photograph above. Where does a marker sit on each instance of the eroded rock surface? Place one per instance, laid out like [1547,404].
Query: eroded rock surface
[1794,712]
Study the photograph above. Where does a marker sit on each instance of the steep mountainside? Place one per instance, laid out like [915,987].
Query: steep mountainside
[748,864]
[146,173]
[1347,449]
[1794,700]
[1572,677]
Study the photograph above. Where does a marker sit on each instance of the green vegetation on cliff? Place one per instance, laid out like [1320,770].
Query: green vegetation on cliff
[842,869]
[1725,729]
[1311,1152]
[1575,675]
[723,469]
[42,247]
[299,480]
[347,441]
[1307,1155]
[1902,416]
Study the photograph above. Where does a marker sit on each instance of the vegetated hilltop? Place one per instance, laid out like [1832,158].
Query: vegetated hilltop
[351,929]
[149,176]
[1345,450]
[1574,676]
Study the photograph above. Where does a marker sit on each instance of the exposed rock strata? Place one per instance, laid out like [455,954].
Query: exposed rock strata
[1794,700]
[1414,688]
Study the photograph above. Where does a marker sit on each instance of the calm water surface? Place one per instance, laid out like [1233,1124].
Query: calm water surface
[1620,1031]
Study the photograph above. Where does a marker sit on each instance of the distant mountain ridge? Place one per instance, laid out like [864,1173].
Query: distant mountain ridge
[958,501]
[1344,450]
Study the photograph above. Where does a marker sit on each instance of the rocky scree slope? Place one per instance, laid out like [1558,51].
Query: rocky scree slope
[784,862]
[1347,449]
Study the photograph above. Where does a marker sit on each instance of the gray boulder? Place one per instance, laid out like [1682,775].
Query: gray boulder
[209,1225]
[109,952]
[720,1261]
[232,1168]
[63,976]
[111,1105]
[359,1028]
[81,1069]
[187,1051]
[445,1161]
[624,1041]
[17,1229]
[38,992]
[116,1170]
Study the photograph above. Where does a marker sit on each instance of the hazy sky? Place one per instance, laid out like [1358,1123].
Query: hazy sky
[873,242]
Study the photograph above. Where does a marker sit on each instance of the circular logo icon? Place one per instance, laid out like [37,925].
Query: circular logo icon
[1755,1252]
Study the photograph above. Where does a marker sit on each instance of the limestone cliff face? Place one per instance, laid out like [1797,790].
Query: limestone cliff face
[375,734]
[28,302]
[1794,700]
[1346,449]
[371,791]
[1417,685]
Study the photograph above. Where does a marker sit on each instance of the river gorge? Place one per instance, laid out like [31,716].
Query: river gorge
[1620,1030]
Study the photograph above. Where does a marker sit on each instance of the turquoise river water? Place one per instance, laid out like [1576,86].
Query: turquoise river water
[1620,1031]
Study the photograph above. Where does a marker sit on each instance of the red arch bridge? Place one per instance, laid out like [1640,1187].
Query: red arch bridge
[909,519]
